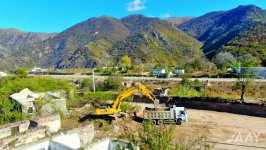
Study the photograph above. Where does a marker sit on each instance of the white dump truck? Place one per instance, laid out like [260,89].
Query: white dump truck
[166,115]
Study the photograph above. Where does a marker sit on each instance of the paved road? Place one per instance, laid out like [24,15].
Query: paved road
[150,78]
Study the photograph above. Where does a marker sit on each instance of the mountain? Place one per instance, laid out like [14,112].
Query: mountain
[102,41]
[178,20]
[154,41]
[13,40]
[137,22]
[250,47]
[216,29]
[84,44]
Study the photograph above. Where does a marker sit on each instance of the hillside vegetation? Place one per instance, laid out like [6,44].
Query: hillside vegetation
[12,41]
[228,28]
[104,40]
[11,85]
[178,20]
[158,43]
[251,46]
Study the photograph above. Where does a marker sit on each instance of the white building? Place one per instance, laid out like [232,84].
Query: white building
[3,74]
[180,71]
[26,99]
[158,71]
[38,69]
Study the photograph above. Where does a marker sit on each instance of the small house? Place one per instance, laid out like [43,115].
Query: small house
[38,69]
[158,71]
[25,101]
[179,71]
[3,74]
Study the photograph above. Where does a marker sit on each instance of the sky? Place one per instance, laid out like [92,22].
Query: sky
[58,15]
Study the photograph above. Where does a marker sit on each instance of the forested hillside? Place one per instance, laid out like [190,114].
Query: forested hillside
[240,31]
[104,40]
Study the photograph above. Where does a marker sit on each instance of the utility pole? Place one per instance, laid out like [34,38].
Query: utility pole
[93,81]
[142,71]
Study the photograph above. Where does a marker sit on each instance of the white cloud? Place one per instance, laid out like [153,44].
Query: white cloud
[136,5]
[165,15]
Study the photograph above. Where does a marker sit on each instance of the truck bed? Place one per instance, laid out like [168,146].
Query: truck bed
[154,114]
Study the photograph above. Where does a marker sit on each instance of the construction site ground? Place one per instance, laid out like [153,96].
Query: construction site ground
[223,130]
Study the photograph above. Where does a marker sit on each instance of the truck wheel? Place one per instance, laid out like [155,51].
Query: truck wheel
[154,122]
[179,122]
[159,122]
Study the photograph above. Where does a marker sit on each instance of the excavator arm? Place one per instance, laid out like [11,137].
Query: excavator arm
[117,103]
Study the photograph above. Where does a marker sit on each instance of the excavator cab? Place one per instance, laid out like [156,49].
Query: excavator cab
[104,107]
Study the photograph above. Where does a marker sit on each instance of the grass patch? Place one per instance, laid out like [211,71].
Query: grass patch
[185,91]
[127,107]
[99,95]
[12,85]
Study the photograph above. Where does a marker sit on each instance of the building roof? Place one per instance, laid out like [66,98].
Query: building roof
[3,74]
[158,69]
[24,96]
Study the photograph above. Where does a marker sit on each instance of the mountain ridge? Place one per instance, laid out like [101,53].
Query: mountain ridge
[102,41]
[218,28]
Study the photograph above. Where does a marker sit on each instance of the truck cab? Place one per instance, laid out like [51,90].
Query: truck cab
[181,114]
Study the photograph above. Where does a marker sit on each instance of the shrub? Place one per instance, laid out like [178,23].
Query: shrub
[86,83]
[162,138]
[112,83]
[7,112]
[156,137]
[21,72]
[185,91]
[39,84]
[186,81]
[127,107]
[99,96]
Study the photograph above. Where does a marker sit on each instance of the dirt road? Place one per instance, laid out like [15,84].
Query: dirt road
[224,130]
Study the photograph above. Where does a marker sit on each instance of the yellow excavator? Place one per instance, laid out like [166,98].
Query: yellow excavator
[115,107]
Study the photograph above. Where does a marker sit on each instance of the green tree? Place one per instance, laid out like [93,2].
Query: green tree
[153,137]
[198,64]
[113,83]
[249,61]
[244,81]
[224,60]
[125,62]
[86,85]
[186,81]
[156,137]
[21,72]
[8,113]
